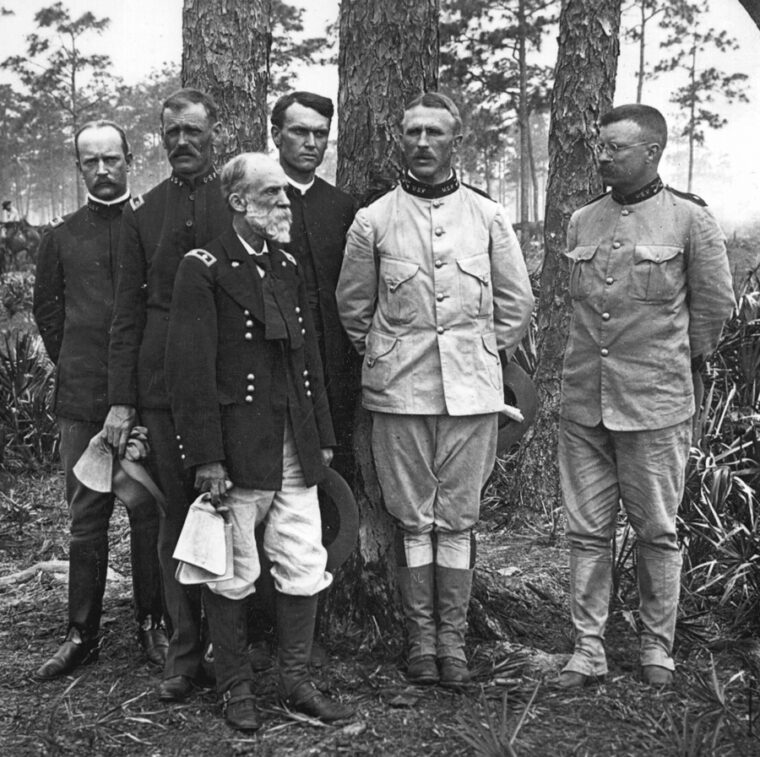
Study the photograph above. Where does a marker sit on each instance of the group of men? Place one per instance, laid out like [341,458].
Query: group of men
[219,310]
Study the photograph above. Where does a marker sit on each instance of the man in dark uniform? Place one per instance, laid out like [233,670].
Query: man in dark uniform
[249,402]
[184,211]
[73,302]
[322,215]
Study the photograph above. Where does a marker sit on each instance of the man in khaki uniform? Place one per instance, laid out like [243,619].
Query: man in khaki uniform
[651,288]
[433,287]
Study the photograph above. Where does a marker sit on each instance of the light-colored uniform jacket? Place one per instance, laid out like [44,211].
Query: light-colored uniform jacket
[651,288]
[429,292]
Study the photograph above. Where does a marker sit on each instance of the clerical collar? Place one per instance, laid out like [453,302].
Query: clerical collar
[413,186]
[205,178]
[647,191]
[302,188]
[97,202]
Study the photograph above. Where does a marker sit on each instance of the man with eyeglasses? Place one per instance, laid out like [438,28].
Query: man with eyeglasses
[651,289]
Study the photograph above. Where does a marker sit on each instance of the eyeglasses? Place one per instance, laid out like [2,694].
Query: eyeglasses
[613,149]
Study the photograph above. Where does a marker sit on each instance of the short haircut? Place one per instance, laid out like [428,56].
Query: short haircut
[323,106]
[188,96]
[100,124]
[234,175]
[437,100]
[647,118]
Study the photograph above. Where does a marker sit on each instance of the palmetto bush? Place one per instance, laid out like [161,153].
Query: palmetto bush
[719,519]
[28,432]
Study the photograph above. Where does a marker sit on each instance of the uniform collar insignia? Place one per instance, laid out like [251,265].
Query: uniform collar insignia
[205,178]
[647,191]
[413,186]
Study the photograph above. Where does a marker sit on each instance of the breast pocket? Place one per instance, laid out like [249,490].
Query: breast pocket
[475,291]
[397,293]
[581,270]
[657,273]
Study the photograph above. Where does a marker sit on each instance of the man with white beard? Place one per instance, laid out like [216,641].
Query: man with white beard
[248,400]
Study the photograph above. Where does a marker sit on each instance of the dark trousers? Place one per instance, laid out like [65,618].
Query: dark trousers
[183,603]
[90,513]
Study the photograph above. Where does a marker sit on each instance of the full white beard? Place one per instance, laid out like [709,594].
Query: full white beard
[271,224]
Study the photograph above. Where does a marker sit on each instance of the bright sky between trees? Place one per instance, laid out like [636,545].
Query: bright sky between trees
[145,33]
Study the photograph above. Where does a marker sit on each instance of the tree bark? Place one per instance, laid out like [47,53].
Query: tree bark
[225,52]
[524,123]
[584,86]
[388,54]
[753,8]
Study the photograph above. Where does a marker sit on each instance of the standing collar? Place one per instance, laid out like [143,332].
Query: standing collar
[647,191]
[413,186]
[205,178]
[302,188]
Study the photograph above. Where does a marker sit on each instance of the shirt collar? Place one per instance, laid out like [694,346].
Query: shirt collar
[644,193]
[250,249]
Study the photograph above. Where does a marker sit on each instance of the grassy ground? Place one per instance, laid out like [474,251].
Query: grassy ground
[110,707]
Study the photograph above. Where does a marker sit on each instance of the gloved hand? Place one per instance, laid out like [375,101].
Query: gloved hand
[212,478]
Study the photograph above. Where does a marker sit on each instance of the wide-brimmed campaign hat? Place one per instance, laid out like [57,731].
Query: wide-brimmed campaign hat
[340,518]
[100,469]
[520,392]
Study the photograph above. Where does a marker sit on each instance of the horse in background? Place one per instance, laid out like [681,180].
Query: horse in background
[18,246]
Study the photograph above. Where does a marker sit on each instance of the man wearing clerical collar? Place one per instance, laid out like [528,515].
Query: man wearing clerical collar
[249,403]
[73,302]
[322,215]
[183,212]
[432,290]
[651,289]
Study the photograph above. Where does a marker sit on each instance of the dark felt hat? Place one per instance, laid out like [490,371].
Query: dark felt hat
[519,391]
[340,518]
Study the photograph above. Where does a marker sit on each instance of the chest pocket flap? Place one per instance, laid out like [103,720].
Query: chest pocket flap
[396,272]
[658,272]
[581,274]
[584,252]
[655,253]
[478,266]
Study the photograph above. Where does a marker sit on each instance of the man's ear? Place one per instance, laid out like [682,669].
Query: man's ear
[457,142]
[128,158]
[237,203]
[276,135]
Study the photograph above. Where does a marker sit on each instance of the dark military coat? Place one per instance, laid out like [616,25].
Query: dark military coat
[231,389]
[73,302]
[321,219]
[157,230]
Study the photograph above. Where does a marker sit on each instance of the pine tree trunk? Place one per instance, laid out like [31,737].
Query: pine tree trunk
[225,52]
[584,86]
[388,54]
[524,122]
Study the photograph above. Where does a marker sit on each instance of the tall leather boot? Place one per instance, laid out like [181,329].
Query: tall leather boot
[234,677]
[146,583]
[295,631]
[417,586]
[452,598]
[88,565]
